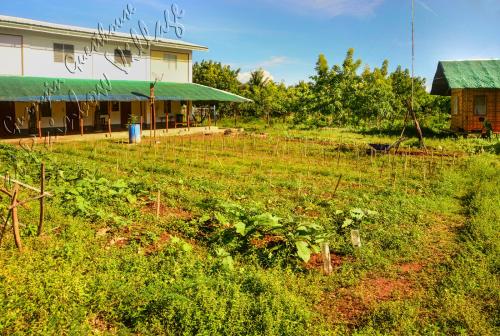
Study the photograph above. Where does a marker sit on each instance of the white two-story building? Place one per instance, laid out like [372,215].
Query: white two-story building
[47,72]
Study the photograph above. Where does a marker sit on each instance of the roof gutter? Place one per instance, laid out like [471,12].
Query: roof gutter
[116,37]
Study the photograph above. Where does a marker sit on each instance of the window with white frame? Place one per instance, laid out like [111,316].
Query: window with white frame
[480,105]
[63,51]
[171,60]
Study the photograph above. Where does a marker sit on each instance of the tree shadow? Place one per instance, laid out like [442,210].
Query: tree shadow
[410,132]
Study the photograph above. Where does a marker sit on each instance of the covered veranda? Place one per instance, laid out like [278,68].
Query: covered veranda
[41,107]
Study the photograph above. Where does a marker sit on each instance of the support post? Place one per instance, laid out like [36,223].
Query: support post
[109,118]
[39,121]
[209,120]
[188,112]
[167,119]
[152,127]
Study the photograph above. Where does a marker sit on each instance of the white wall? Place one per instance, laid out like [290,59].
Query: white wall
[38,58]
[161,69]
[11,54]
[31,54]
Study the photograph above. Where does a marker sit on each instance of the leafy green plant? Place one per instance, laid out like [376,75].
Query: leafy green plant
[248,230]
[93,197]
[353,218]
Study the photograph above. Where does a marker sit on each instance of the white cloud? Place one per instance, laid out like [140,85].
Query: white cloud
[331,8]
[273,61]
[426,7]
[244,77]
[265,65]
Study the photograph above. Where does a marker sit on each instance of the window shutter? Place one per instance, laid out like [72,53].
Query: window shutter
[58,53]
[69,52]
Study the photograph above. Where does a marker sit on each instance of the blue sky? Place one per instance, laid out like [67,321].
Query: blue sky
[285,36]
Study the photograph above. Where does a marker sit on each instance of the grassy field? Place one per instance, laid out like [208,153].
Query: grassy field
[235,249]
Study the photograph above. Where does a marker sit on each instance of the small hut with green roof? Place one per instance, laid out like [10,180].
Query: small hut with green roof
[474,87]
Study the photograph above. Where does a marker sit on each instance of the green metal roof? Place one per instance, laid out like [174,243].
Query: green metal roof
[466,75]
[33,89]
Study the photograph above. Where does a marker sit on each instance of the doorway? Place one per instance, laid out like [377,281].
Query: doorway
[125,113]
[72,118]
[7,119]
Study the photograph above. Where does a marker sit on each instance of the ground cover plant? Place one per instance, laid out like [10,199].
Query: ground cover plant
[235,248]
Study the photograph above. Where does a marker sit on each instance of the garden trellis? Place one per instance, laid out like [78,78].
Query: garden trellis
[15,203]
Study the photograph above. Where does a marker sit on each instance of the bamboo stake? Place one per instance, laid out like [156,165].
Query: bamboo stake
[42,198]
[327,259]
[24,185]
[15,219]
[5,224]
[158,204]
[337,186]
[338,156]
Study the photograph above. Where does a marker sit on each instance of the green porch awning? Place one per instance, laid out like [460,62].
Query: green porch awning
[42,89]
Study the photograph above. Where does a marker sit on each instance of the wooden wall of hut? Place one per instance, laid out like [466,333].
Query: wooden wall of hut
[463,117]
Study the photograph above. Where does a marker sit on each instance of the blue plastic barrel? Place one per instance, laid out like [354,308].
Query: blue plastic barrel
[134,133]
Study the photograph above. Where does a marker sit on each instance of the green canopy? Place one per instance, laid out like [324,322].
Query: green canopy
[39,89]
[466,75]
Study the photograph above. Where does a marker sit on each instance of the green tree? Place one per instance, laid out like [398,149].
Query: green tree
[300,101]
[258,79]
[374,97]
[401,86]
[219,76]
[326,102]
[216,75]
[350,85]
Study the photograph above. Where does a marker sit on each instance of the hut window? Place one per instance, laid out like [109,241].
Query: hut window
[480,105]
[46,110]
[63,51]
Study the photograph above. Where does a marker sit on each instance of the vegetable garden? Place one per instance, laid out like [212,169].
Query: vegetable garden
[233,244]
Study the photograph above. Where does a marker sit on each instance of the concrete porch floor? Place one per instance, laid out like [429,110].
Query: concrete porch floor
[146,134]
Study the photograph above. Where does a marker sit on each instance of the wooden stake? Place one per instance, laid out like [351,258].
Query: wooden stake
[337,186]
[327,259]
[42,199]
[338,156]
[15,219]
[158,200]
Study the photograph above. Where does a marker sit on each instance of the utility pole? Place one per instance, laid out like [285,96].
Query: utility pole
[413,114]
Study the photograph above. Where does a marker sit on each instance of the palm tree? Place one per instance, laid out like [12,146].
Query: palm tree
[258,79]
